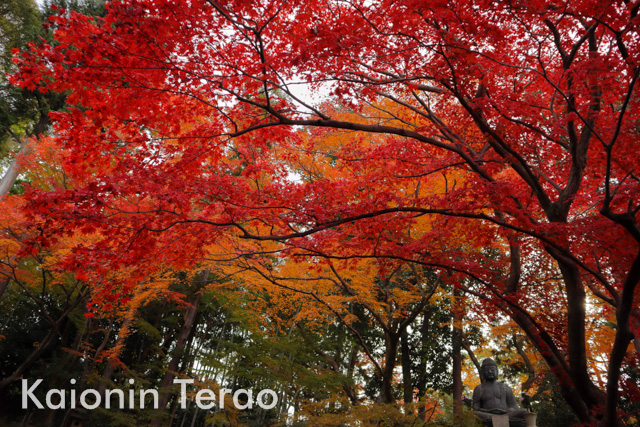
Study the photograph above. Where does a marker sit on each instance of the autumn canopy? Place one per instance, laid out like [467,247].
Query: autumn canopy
[330,149]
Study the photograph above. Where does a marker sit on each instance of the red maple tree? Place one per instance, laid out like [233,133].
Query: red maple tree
[186,117]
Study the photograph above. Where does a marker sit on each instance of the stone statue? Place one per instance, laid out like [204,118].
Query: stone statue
[495,398]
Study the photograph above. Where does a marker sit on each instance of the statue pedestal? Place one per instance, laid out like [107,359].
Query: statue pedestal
[503,420]
[500,420]
[530,419]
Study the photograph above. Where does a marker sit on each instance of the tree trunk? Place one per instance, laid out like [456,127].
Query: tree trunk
[422,368]
[35,354]
[49,339]
[556,362]
[107,374]
[335,367]
[406,367]
[13,171]
[4,284]
[391,353]
[621,342]
[576,317]
[471,354]
[531,372]
[185,332]
[353,358]
[456,344]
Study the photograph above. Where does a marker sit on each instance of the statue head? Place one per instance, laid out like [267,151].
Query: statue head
[489,370]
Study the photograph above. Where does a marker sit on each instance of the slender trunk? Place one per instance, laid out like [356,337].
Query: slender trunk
[71,359]
[422,368]
[172,369]
[391,353]
[107,374]
[4,284]
[13,171]
[185,332]
[456,344]
[146,348]
[531,372]
[353,358]
[58,365]
[185,413]
[187,360]
[195,416]
[49,339]
[333,364]
[96,356]
[406,367]
[471,354]
[621,342]
[167,340]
